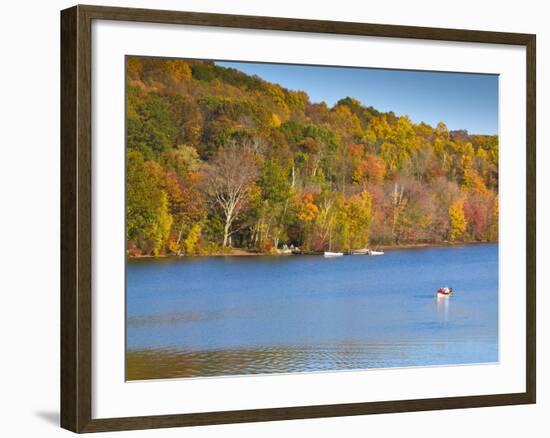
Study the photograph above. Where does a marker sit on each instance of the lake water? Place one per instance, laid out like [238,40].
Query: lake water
[210,316]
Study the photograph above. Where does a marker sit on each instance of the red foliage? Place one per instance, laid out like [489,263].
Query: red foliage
[185,196]
[266,246]
[374,168]
[478,213]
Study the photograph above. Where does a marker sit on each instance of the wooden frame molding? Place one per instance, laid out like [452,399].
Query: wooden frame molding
[76,214]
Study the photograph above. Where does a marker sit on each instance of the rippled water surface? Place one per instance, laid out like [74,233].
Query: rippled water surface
[190,317]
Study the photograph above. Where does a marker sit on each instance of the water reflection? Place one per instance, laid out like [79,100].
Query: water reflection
[442,304]
[164,363]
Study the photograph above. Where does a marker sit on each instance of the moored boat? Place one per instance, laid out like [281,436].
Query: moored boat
[366,251]
[333,254]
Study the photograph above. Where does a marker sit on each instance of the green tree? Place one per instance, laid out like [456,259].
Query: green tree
[275,192]
[150,123]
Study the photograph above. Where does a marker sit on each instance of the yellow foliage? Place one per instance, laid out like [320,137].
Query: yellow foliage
[355,218]
[472,181]
[482,154]
[492,232]
[177,70]
[466,161]
[163,225]
[276,120]
[468,149]
[458,221]
[190,242]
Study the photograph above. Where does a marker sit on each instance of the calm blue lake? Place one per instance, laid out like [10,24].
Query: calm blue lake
[207,316]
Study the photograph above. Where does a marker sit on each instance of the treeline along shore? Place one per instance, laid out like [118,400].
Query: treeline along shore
[220,162]
[250,252]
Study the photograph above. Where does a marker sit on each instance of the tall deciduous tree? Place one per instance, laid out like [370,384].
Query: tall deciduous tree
[275,195]
[148,218]
[355,218]
[228,179]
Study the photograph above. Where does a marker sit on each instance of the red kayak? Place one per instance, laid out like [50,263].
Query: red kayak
[445,292]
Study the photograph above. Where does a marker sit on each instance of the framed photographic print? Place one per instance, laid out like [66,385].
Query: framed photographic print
[268,218]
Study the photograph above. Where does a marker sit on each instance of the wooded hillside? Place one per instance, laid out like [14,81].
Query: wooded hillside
[217,158]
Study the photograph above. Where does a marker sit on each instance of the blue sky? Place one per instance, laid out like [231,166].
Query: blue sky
[461,100]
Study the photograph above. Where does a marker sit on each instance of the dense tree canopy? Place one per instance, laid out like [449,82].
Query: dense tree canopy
[217,158]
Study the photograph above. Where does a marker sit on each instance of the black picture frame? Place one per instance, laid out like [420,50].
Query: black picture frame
[76,218]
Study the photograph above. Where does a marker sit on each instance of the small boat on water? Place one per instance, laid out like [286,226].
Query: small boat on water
[444,292]
[333,254]
[375,253]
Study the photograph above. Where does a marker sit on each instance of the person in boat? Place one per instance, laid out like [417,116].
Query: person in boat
[445,290]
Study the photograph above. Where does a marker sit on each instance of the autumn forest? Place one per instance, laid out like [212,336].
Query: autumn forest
[218,160]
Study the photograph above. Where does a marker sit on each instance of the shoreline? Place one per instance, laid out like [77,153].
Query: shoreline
[240,252]
[432,245]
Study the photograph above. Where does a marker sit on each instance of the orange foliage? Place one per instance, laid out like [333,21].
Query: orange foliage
[365,166]
[307,210]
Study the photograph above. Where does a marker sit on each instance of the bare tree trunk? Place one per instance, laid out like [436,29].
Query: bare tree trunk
[180,234]
[230,175]
[226,233]
[255,233]
[397,201]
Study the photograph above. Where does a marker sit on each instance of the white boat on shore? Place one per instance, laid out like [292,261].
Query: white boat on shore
[366,251]
[333,254]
